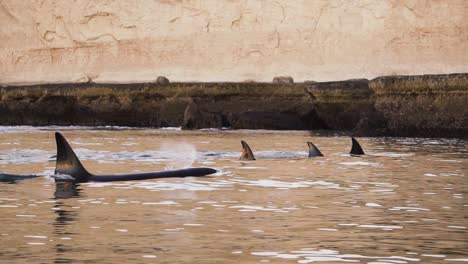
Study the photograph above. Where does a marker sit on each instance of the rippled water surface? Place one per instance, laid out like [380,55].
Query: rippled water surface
[404,202]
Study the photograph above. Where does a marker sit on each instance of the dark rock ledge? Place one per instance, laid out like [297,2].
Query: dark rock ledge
[420,106]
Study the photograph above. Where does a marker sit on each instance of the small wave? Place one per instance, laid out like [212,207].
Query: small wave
[171,128]
[265,154]
[188,185]
[254,208]
[361,163]
[307,255]
[391,154]
[22,156]
[383,227]
[289,185]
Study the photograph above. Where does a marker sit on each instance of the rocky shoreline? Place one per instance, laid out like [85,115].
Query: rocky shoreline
[414,106]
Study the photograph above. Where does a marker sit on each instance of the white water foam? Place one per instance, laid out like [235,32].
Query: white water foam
[327,255]
[391,154]
[284,184]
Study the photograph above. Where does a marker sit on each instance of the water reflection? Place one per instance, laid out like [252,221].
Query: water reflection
[65,190]
[66,216]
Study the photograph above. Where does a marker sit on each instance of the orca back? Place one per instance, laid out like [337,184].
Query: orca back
[356,149]
[313,150]
[246,152]
[67,162]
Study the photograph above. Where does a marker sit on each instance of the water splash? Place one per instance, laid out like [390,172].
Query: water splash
[180,154]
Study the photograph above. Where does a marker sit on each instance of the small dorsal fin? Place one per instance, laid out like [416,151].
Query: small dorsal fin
[313,150]
[246,152]
[67,162]
[356,148]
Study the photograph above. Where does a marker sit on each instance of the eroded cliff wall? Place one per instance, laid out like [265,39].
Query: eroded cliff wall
[222,40]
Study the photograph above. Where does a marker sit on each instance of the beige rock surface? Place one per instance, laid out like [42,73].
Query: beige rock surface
[227,40]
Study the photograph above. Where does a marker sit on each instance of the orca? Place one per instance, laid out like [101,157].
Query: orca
[356,149]
[12,178]
[67,163]
[246,152]
[313,150]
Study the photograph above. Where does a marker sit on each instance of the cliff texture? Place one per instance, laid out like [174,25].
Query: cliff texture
[60,41]
[426,105]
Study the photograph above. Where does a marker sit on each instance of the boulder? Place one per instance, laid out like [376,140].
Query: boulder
[283,79]
[162,80]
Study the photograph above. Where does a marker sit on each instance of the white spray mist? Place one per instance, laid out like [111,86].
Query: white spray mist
[180,154]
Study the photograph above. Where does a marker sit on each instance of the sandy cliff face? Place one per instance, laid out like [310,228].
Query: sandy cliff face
[222,40]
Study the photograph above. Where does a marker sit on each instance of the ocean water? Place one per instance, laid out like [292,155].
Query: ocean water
[403,202]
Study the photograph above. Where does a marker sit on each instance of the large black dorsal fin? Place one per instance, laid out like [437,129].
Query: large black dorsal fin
[246,152]
[356,148]
[67,162]
[313,150]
